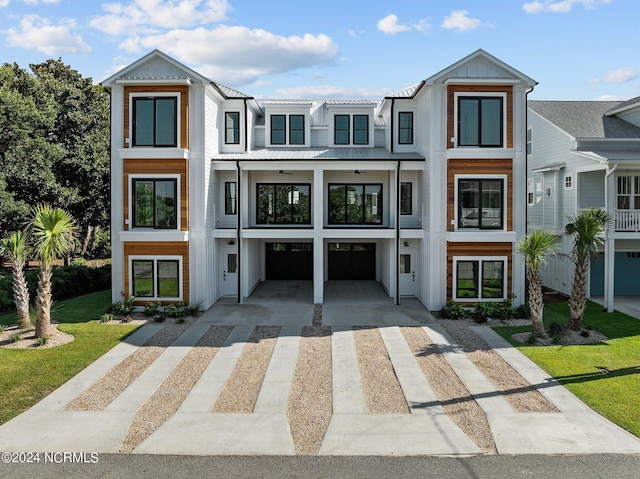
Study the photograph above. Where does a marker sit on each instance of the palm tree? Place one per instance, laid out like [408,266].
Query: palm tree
[588,230]
[15,246]
[52,233]
[534,248]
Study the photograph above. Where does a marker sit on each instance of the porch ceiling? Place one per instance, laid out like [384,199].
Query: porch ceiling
[318,154]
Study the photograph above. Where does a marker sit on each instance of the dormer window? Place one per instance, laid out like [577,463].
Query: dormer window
[155,121]
[345,124]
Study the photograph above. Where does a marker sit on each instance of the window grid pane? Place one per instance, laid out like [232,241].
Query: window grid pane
[230,198]
[278,129]
[165,122]
[232,127]
[142,273]
[492,279]
[467,279]
[296,129]
[143,122]
[405,120]
[168,279]
[360,129]
[406,200]
[341,131]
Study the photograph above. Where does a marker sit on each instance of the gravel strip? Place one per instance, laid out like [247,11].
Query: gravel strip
[382,391]
[463,410]
[520,394]
[311,399]
[166,400]
[241,390]
[112,384]
[317,315]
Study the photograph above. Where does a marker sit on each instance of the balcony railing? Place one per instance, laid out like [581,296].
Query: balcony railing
[627,220]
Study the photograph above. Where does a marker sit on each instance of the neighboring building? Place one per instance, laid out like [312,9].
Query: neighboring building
[586,154]
[214,191]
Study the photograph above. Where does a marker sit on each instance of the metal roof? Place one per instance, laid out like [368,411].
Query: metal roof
[319,154]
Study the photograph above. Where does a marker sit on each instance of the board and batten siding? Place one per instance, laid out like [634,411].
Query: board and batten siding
[158,249]
[478,250]
[182,91]
[155,167]
[475,166]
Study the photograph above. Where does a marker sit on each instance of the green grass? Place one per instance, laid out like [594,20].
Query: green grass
[615,395]
[28,375]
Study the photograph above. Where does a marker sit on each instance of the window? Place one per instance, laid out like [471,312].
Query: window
[406,200]
[155,278]
[355,204]
[283,204]
[480,121]
[405,263]
[232,127]
[230,198]
[529,141]
[155,203]
[530,196]
[360,129]
[405,128]
[479,279]
[278,129]
[341,130]
[155,121]
[296,129]
[568,182]
[480,203]
[628,192]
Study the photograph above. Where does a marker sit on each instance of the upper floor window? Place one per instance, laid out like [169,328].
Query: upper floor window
[278,129]
[360,129]
[155,121]
[406,198]
[296,129]
[230,198]
[481,203]
[342,130]
[232,127]
[283,203]
[628,192]
[530,197]
[568,182]
[355,204]
[480,121]
[529,141]
[155,203]
[405,128]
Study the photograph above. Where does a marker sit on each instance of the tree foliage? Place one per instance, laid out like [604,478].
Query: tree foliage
[54,145]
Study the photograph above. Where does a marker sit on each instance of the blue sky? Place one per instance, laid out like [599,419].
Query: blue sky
[575,49]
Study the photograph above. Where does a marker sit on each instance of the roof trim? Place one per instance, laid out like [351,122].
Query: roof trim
[550,167]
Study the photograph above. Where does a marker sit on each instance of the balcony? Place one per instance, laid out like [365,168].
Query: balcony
[627,220]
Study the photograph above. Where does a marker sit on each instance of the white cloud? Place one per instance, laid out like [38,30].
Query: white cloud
[390,25]
[562,6]
[330,91]
[4,3]
[460,20]
[621,75]
[146,16]
[38,33]
[238,55]
[612,98]
[354,34]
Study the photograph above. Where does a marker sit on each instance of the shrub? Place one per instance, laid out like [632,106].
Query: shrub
[14,338]
[556,328]
[483,311]
[123,308]
[151,309]
[42,341]
[452,310]
[505,310]
[523,311]
[106,317]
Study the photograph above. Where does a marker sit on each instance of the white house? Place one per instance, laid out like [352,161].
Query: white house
[214,191]
[586,154]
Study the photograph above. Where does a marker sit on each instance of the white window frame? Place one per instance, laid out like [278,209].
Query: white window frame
[175,95]
[531,197]
[456,180]
[480,259]
[568,182]
[155,259]
[480,94]
[143,176]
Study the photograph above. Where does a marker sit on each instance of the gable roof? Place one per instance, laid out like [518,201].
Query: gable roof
[585,119]
[625,105]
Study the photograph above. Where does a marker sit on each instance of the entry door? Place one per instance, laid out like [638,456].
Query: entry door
[230,272]
[407,274]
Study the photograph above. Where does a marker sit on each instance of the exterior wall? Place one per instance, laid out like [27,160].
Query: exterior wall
[632,116]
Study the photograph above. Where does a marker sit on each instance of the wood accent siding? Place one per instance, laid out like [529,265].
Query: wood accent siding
[474,249]
[151,167]
[471,167]
[139,248]
[477,89]
[183,90]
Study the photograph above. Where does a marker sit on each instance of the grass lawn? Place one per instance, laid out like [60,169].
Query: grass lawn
[28,375]
[615,395]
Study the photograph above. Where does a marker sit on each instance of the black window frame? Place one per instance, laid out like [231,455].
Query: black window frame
[155,278]
[356,129]
[281,131]
[290,219]
[480,99]
[478,268]
[155,99]
[292,129]
[176,206]
[333,222]
[336,129]
[230,197]
[234,128]
[480,206]
[407,129]
[406,200]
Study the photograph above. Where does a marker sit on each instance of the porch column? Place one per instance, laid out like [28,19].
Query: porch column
[318,243]
[609,272]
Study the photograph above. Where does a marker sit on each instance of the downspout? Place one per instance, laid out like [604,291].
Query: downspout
[246,128]
[238,229]
[397,300]
[392,122]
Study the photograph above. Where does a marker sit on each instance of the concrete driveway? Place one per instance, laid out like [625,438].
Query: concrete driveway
[193,429]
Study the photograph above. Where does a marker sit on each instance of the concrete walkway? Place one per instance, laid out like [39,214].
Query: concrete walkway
[427,430]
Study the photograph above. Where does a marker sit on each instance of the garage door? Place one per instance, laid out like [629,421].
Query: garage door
[626,273]
[355,261]
[289,261]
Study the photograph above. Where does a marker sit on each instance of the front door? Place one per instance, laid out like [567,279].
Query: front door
[230,272]
[407,274]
